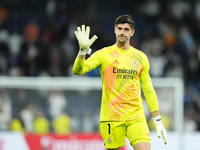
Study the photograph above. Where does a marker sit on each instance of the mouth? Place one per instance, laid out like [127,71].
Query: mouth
[122,37]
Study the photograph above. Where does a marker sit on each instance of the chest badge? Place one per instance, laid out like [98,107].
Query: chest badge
[135,63]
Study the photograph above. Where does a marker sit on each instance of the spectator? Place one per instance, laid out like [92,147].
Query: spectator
[5,111]
[179,8]
[41,124]
[75,120]
[151,8]
[44,45]
[27,116]
[16,125]
[61,124]
[57,103]
[88,122]
[20,102]
[51,7]
[14,42]
[4,14]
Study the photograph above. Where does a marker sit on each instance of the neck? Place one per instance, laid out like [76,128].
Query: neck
[123,46]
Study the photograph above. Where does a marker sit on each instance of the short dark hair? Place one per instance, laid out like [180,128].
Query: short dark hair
[125,19]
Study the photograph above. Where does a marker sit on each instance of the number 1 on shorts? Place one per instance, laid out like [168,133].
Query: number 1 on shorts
[108,128]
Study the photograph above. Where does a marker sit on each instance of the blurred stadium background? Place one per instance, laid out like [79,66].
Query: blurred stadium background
[37,41]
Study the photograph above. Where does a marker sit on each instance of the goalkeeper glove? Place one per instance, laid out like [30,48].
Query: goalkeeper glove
[160,128]
[82,36]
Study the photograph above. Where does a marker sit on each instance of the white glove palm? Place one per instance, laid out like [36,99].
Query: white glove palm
[82,36]
[160,128]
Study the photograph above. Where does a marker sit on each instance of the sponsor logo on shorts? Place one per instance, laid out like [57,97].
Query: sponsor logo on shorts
[109,140]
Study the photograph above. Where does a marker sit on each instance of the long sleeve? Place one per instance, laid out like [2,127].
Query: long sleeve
[148,89]
[150,96]
[82,66]
[78,67]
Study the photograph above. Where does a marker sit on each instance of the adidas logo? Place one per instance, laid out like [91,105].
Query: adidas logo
[115,62]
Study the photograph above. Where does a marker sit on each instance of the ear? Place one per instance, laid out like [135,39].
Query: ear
[114,29]
[133,31]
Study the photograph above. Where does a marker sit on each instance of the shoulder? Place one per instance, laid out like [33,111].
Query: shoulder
[140,53]
[108,48]
[103,50]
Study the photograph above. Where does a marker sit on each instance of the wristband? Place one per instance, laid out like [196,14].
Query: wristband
[157,120]
[85,51]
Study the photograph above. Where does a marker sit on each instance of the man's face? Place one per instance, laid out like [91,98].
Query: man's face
[123,32]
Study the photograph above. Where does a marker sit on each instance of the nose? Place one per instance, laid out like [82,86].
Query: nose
[121,31]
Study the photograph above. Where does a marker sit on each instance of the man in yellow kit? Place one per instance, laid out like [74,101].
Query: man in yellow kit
[123,69]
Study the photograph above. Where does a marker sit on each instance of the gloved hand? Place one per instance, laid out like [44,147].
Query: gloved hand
[82,36]
[160,128]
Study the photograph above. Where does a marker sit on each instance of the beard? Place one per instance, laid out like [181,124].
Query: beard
[122,39]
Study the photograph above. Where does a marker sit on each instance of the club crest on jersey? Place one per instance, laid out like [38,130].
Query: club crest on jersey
[135,63]
[109,140]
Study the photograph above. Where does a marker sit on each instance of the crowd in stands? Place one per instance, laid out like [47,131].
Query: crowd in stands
[37,39]
[50,111]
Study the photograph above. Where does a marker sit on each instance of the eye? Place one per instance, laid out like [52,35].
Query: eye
[119,28]
[126,29]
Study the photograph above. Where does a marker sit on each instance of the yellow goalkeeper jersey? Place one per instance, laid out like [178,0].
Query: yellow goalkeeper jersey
[123,72]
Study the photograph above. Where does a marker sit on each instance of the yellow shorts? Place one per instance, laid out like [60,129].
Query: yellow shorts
[114,132]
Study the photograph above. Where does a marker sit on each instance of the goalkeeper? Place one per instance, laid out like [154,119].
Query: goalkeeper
[124,70]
